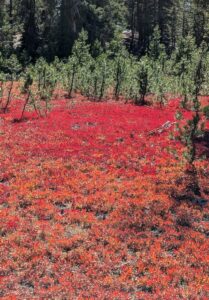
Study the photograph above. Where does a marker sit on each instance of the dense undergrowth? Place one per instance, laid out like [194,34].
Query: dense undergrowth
[91,206]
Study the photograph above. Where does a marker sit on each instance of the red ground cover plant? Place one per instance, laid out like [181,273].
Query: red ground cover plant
[86,210]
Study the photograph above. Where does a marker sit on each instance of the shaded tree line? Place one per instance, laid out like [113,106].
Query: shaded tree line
[175,19]
[34,28]
[48,28]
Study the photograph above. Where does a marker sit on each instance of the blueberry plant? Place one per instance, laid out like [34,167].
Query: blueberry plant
[101,76]
[136,85]
[2,80]
[45,79]
[28,81]
[11,70]
[120,59]
[183,64]
[194,127]
[77,65]
[157,58]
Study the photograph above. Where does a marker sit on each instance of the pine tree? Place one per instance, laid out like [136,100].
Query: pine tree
[68,22]
[30,38]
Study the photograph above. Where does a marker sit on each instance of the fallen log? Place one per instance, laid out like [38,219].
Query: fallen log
[162,128]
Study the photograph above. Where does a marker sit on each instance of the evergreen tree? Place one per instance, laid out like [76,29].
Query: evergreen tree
[34,28]
[68,19]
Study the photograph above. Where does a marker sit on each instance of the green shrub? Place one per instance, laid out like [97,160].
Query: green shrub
[206,111]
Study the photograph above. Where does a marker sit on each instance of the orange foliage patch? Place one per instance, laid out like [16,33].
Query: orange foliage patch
[86,210]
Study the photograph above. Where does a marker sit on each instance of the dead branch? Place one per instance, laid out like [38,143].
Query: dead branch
[162,128]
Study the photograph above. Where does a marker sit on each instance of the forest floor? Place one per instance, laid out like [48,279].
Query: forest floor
[87,208]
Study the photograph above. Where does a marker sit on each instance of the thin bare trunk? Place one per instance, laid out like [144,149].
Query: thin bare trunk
[8,96]
[24,107]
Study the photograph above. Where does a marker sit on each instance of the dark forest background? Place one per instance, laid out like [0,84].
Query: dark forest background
[48,28]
